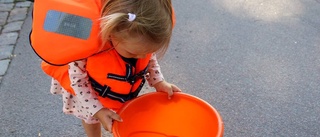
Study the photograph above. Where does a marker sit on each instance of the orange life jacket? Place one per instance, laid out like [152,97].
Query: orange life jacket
[116,81]
[69,31]
[65,30]
[117,76]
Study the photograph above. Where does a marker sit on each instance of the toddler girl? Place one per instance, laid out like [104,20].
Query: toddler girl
[133,31]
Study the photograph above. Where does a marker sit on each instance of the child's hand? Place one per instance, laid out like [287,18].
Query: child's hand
[106,116]
[164,86]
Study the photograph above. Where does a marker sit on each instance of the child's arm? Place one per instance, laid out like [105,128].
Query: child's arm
[155,76]
[156,79]
[82,88]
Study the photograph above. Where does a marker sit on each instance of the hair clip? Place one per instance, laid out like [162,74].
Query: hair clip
[132,17]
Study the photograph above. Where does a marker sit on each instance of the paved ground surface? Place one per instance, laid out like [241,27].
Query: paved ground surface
[12,15]
[255,61]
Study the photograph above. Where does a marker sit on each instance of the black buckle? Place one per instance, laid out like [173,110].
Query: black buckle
[137,76]
[128,77]
[106,89]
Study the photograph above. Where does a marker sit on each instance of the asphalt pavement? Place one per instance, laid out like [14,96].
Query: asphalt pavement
[257,62]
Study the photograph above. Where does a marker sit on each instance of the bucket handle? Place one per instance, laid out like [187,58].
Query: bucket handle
[153,132]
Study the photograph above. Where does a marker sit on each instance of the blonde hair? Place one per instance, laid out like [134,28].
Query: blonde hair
[153,21]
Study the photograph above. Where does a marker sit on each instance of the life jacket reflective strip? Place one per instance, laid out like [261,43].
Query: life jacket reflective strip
[109,63]
[65,30]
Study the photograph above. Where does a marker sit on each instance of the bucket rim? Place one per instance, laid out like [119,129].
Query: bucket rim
[183,94]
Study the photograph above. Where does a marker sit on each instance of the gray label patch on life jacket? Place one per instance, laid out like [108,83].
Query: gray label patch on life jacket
[67,24]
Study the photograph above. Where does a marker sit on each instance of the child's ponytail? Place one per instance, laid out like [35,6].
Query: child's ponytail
[109,23]
[168,6]
[151,19]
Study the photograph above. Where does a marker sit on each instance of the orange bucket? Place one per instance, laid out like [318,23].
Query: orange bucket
[154,115]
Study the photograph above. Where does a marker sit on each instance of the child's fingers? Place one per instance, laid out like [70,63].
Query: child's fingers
[106,123]
[116,117]
[109,125]
[170,93]
[176,89]
[112,116]
[108,118]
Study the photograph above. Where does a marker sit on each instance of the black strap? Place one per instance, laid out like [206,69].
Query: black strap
[105,91]
[128,77]
[129,72]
